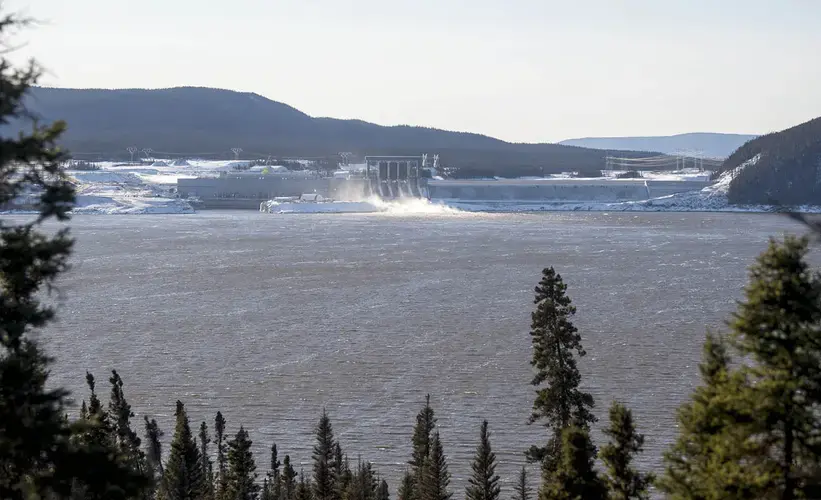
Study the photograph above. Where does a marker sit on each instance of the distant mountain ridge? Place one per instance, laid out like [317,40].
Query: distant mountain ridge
[714,145]
[203,121]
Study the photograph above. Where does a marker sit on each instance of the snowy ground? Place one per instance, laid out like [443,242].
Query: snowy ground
[120,188]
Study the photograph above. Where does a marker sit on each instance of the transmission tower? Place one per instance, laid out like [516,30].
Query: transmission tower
[147,152]
[236,152]
[131,150]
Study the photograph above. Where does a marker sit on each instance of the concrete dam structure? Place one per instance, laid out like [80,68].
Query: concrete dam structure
[557,190]
[388,177]
[391,177]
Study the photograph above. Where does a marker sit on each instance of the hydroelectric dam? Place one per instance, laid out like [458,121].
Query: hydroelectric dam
[387,177]
[394,177]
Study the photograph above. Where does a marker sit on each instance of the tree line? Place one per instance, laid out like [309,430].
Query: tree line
[750,430]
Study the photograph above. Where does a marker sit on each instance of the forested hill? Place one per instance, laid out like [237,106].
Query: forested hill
[196,121]
[782,168]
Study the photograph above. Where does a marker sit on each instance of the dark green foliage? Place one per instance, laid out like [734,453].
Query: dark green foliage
[406,487]
[483,483]
[704,461]
[241,476]
[753,431]
[153,448]
[183,478]
[127,439]
[273,480]
[323,457]
[219,430]
[559,402]
[435,475]
[521,488]
[363,485]
[288,479]
[630,174]
[574,476]
[42,455]
[777,326]
[421,440]
[205,460]
[304,489]
[384,492]
[341,471]
[623,481]
[786,171]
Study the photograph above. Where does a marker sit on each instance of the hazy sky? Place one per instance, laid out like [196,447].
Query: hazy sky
[521,70]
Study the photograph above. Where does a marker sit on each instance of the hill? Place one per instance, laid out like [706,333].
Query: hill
[710,144]
[778,168]
[189,121]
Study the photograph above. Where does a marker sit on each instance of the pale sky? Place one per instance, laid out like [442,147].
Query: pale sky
[520,70]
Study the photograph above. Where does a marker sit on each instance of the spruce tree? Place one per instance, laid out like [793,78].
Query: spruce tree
[205,460]
[484,482]
[521,488]
[705,461]
[219,435]
[183,478]
[341,471]
[289,477]
[241,476]
[623,481]
[273,475]
[384,492]
[574,477]
[127,439]
[153,449]
[406,488]
[304,490]
[559,402]
[324,482]
[435,475]
[421,440]
[777,327]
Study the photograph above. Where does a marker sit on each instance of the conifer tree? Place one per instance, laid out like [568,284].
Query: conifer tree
[521,488]
[753,431]
[777,327]
[153,449]
[127,439]
[384,492]
[623,481]
[273,475]
[241,476]
[484,482]
[205,460]
[42,455]
[341,471]
[406,488]
[574,477]
[304,489]
[183,478]
[324,482]
[219,435]
[435,475]
[559,402]
[266,493]
[421,440]
[288,479]
[705,460]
